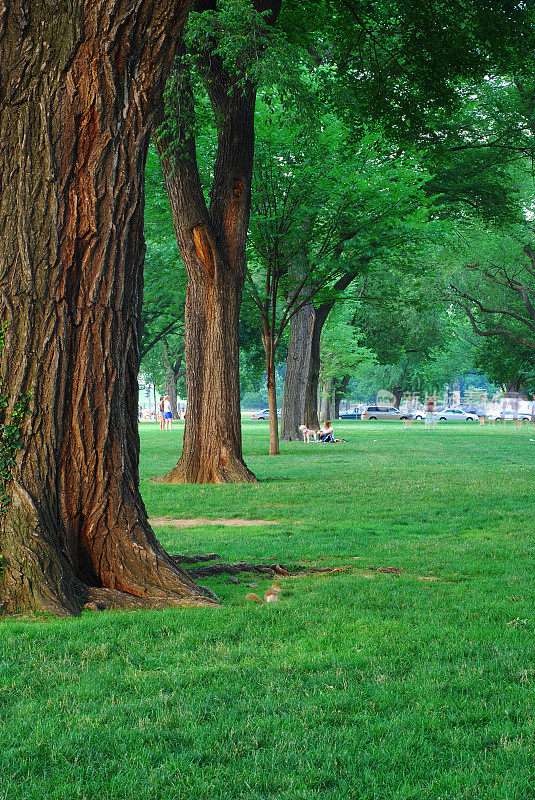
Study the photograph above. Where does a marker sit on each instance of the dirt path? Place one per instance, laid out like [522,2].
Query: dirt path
[197,521]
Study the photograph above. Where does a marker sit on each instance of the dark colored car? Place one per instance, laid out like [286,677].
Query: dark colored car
[384,412]
[350,415]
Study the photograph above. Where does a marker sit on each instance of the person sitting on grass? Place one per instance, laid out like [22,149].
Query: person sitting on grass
[326,434]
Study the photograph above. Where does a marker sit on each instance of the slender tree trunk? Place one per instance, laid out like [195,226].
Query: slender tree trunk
[269,347]
[79,82]
[297,369]
[170,381]
[333,401]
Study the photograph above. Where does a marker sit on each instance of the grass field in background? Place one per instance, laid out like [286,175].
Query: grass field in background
[358,684]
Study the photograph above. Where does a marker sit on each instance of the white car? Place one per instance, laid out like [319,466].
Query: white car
[448,414]
[508,415]
[264,414]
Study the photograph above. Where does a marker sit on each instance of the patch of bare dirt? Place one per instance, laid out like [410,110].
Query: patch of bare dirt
[197,521]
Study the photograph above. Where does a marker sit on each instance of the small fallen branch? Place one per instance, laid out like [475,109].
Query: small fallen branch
[234,569]
[273,570]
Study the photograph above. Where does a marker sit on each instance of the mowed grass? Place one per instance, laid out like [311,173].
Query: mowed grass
[358,684]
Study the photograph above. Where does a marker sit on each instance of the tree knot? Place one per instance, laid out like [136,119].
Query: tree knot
[237,189]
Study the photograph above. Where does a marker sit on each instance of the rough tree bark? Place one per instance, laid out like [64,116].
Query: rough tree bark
[211,240]
[78,85]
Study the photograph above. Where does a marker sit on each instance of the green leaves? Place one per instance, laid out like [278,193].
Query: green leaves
[341,350]
[10,434]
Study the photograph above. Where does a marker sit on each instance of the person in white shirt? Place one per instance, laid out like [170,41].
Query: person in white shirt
[168,414]
[482,412]
[326,434]
[516,419]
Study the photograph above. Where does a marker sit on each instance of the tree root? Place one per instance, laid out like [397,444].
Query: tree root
[273,570]
[100,599]
[234,569]
[189,471]
[195,559]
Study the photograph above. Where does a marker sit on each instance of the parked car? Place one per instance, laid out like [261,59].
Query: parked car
[383,412]
[264,414]
[350,414]
[469,408]
[457,415]
[508,415]
[448,414]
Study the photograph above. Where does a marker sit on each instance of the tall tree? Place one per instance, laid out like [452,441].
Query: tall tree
[400,63]
[299,221]
[212,236]
[375,205]
[79,83]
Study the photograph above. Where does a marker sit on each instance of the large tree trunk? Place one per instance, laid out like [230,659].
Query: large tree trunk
[212,245]
[297,368]
[326,398]
[212,437]
[322,312]
[311,399]
[78,86]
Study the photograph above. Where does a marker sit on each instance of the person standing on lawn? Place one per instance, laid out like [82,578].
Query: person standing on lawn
[516,418]
[430,419]
[409,419]
[162,415]
[482,411]
[168,414]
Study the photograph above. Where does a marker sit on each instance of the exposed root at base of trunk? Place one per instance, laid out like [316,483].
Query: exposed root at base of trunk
[234,471]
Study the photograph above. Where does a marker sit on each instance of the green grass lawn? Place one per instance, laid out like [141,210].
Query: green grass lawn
[358,684]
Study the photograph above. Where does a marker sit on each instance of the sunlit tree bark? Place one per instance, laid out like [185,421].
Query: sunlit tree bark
[78,87]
